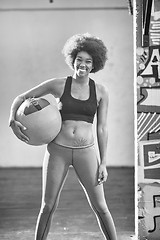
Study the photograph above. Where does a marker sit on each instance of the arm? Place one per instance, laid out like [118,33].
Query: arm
[102,133]
[53,86]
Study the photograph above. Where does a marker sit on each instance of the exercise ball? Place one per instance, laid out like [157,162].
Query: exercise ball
[42,120]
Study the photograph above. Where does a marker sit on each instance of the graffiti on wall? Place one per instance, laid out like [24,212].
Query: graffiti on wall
[148,118]
[149,190]
[149,211]
[148,89]
[149,156]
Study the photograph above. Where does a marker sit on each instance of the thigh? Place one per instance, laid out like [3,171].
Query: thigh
[55,168]
[86,166]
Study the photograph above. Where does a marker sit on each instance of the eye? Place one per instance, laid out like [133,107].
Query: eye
[78,59]
[89,61]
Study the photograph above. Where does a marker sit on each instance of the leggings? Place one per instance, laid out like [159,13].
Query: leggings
[56,164]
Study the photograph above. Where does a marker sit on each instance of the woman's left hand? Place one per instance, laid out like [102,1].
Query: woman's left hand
[102,174]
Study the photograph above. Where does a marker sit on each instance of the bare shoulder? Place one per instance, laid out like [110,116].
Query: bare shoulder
[56,85]
[56,81]
[102,92]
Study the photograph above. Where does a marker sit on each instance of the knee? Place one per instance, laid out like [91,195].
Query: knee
[47,208]
[101,207]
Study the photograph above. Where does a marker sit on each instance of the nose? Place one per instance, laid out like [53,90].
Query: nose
[82,64]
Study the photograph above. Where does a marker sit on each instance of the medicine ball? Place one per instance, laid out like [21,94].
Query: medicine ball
[42,120]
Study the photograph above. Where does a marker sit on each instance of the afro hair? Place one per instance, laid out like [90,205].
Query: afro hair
[87,43]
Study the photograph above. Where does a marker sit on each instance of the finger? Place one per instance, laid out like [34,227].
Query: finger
[20,125]
[100,180]
[22,136]
[100,175]
[104,179]
[105,176]
[59,106]
[24,140]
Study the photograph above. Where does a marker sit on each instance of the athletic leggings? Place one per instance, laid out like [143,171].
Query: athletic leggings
[57,161]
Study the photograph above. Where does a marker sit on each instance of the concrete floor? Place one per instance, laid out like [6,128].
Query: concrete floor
[74,220]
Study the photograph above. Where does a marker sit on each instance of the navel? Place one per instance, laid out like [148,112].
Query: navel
[74,130]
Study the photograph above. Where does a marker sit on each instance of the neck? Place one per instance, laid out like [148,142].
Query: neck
[81,80]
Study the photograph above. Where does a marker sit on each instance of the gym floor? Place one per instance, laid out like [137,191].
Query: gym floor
[20,197]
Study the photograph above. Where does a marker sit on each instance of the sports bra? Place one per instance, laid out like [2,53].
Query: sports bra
[76,109]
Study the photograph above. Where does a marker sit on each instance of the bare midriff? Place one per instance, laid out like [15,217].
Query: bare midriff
[75,134]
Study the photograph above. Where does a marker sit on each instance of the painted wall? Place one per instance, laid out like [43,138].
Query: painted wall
[32,36]
[148,124]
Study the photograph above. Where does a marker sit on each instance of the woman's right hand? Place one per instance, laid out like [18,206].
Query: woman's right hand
[17,128]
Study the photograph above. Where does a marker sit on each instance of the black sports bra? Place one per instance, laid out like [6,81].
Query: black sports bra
[76,109]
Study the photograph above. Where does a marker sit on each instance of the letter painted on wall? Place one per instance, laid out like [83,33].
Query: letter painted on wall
[149,211]
[148,69]
[149,161]
[148,93]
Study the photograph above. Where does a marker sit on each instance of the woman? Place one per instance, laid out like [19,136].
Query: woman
[80,99]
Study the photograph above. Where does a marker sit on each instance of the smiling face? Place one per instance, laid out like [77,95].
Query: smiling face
[83,64]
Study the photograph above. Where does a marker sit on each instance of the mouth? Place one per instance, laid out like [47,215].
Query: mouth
[82,70]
